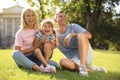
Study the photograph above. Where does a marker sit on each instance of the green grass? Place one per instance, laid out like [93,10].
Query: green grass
[108,59]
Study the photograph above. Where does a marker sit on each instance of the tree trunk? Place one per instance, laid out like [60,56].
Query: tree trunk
[41,9]
[92,17]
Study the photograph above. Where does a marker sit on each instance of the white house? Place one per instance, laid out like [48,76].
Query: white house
[9,24]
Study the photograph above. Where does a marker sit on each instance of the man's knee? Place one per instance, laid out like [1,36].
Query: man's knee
[63,62]
[68,64]
[80,36]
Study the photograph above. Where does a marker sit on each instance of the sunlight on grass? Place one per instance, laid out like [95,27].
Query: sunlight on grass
[57,55]
[107,59]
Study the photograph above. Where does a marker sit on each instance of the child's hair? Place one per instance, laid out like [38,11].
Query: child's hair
[48,22]
[51,24]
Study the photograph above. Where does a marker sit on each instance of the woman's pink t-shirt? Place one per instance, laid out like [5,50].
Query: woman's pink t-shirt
[24,38]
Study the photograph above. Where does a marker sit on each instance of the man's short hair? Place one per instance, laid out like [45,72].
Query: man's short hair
[59,11]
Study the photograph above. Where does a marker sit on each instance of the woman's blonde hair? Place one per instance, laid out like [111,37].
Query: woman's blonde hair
[23,23]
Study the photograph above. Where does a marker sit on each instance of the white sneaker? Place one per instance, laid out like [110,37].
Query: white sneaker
[44,70]
[41,66]
[100,69]
[52,68]
[83,71]
[48,69]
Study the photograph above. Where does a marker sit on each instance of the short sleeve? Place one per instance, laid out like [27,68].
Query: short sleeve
[77,28]
[18,39]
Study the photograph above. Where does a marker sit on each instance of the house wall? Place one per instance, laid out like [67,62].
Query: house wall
[9,24]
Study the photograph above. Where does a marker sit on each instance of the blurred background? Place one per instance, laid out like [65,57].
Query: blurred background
[100,17]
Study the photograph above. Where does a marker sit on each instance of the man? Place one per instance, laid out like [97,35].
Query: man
[73,42]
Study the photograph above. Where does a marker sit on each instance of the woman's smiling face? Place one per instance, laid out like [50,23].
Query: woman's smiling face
[30,18]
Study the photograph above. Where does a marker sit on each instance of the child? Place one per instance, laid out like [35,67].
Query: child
[47,41]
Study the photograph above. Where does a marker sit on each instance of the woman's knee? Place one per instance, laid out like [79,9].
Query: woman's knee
[16,54]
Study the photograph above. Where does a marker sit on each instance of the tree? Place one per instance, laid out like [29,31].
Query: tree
[88,13]
[88,10]
[44,8]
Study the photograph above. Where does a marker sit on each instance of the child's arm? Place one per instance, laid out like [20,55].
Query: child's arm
[35,40]
[37,43]
[53,43]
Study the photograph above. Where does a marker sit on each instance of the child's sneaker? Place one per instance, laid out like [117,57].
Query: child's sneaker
[100,69]
[52,68]
[41,66]
[83,70]
[48,69]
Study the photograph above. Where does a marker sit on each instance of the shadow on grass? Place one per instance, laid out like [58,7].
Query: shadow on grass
[67,75]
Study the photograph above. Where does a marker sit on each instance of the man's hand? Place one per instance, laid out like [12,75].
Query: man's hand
[67,40]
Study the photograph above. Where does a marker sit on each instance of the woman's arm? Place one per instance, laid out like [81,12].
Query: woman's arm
[24,51]
[36,44]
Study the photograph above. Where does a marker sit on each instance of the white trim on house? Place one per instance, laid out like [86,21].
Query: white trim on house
[9,23]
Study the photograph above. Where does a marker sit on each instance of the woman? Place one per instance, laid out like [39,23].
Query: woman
[23,54]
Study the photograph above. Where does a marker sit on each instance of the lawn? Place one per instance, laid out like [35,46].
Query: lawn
[108,59]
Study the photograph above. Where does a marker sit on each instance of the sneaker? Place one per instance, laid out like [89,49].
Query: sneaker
[83,71]
[52,68]
[100,69]
[41,66]
[48,69]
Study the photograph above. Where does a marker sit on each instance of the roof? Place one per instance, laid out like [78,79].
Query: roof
[12,10]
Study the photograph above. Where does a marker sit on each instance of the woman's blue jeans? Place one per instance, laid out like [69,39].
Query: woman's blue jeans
[28,61]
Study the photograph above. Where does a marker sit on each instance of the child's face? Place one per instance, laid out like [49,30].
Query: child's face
[47,29]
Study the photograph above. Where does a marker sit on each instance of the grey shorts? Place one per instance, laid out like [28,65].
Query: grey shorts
[76,58]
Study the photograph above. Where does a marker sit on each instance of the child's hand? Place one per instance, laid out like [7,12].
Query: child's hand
[46,40]
[37,44]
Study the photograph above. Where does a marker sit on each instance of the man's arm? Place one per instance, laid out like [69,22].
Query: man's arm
[87,34]
[69,36]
